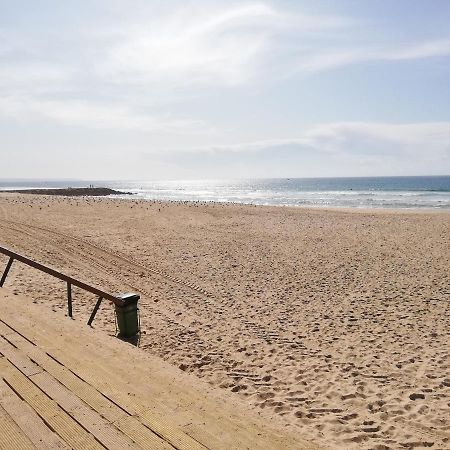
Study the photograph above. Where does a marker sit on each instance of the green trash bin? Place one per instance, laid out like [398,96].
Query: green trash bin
[127,315]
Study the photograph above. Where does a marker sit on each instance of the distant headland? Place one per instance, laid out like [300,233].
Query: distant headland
[72,192]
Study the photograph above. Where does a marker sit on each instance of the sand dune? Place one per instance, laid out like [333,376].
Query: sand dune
[334,323]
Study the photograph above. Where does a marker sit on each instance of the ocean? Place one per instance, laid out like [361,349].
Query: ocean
[359,192]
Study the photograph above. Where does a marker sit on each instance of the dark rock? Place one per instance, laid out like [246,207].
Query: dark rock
[417,396]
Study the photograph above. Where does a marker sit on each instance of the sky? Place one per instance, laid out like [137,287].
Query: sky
[110,89]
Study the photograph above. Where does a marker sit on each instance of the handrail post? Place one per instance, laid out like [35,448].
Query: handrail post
[5,273]
[59,275]
[116,300]
[69,299]
[94,311]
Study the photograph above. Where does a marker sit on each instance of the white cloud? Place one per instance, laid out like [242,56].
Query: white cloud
[218,46]
[32,76]
[421,50]
[414,139]
[382,138]
[187,47]
[315,60]
[102,78]
[95,116]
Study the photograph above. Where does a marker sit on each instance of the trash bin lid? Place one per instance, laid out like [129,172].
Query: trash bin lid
[129,297]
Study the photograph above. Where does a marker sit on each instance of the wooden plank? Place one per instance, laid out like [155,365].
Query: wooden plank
[172,434]
[56,418]
[169,433]
[99,427]
[227,437]
[28,421]
[84,391]
[93,422]
[141,435]
[23,363]
[108,377]
[11,436]
[4,329]
[73,434]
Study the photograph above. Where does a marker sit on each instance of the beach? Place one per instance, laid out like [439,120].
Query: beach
[331,323]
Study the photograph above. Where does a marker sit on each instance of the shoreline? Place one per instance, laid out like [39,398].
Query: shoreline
[130,198]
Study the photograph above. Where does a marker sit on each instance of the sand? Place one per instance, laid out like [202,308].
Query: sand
[333,323]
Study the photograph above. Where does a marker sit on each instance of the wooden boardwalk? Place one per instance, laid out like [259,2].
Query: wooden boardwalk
[64,385]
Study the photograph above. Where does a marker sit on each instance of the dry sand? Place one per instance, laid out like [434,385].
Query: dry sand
[332,323]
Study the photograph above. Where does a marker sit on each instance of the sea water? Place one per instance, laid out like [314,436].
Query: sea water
[361,192]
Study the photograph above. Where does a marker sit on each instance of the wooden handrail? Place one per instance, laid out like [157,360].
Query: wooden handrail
[69,280]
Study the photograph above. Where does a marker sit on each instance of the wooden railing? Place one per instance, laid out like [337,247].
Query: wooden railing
[69,280]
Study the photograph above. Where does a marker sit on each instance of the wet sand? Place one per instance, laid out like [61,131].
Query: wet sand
[332,323]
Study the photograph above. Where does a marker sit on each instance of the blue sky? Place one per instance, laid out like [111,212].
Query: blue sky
[179,89]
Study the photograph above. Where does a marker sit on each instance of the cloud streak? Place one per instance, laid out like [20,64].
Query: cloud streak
[343,148]
[215,46]
[327,59]
[360,138]
[83,114]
